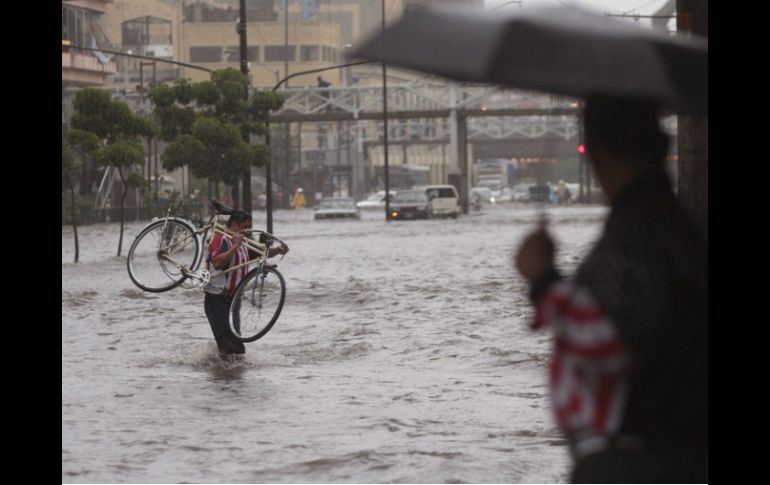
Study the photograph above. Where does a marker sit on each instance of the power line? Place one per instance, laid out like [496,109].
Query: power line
[637,16]
[641,6]
[508,3]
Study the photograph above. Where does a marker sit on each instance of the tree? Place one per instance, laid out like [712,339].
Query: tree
[71,166]
[124,155]
[116,130]
[209,125]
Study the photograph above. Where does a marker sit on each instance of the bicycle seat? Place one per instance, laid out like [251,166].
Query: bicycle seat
[221,209]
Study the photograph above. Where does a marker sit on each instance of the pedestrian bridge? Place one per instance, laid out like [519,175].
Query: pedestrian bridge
[426,110]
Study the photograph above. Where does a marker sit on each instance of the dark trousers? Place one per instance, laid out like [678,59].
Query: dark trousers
[217,309]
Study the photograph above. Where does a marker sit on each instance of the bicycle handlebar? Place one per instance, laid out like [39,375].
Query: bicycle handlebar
[271,236]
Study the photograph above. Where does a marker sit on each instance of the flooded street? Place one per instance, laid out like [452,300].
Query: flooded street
[402,355]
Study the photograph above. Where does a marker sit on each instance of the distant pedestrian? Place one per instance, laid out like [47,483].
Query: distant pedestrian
[299,199]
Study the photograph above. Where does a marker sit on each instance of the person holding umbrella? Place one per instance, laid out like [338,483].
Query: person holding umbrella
[629,364]
[628,370]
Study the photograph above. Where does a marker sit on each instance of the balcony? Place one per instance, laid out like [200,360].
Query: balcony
[83,69]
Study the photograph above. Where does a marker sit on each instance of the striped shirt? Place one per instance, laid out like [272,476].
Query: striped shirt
[225,284]
[589,366]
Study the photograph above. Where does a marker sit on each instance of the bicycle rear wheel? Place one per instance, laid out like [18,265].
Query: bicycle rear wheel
[159,253]
[257,303]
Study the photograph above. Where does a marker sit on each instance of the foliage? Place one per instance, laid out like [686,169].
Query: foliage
[85,212]
[122,154]
[106,131]
[98,113]
[210,123]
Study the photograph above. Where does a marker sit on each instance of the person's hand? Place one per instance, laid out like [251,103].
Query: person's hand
[535,256]
[280,249]
[237,239]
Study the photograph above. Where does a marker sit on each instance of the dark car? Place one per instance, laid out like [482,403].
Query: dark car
[540,193]
[410,204]
[343,207]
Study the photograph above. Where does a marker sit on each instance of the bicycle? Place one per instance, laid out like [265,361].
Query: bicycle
[168,252]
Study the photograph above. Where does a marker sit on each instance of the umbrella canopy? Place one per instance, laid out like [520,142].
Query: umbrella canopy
[561,50]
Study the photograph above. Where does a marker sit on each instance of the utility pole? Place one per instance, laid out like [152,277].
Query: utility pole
[285,40]
[385,126]
[241,29]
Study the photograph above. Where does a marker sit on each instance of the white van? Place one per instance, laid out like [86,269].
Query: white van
[443,200]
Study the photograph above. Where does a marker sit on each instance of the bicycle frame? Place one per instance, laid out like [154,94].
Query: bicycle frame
[206,233]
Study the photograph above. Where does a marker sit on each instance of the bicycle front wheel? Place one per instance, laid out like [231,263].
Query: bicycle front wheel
[161,255]
[257,303]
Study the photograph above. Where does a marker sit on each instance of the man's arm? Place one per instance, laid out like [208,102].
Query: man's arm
[535,261]
[280,249]
[222,259]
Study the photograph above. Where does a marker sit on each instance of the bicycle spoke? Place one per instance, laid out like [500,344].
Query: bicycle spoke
[257,304]
[162,255]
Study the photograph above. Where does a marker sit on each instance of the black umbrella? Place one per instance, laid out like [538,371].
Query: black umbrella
[561,50]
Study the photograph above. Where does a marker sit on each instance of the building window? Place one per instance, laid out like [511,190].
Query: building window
[308,53]
[76,25]
[277,53]
[322,136]
[233,54]
[330,54]
[206,54]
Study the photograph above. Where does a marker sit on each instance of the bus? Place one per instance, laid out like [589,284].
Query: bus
[494,174]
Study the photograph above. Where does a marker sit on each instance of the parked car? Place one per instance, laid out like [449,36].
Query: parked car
[334,208]
[520,193]
[410,204]
[484,194]
[443,200]
[540,193]
[375,201]
[506,195]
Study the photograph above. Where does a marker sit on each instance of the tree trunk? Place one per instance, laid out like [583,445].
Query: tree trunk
[74,220]
[247,204]
[235,193]
[122,209]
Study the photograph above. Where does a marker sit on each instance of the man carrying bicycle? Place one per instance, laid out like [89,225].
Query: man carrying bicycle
[226,251]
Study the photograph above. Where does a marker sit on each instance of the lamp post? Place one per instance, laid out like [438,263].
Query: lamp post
[246,183]
[268,168]
[385,127]
[286,40]
[125,70]
[345,70]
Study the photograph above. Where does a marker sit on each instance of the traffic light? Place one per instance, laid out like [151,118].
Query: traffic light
[581,149]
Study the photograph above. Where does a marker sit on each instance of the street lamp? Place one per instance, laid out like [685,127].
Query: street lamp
[345,70]
[385,126]
[277,74]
